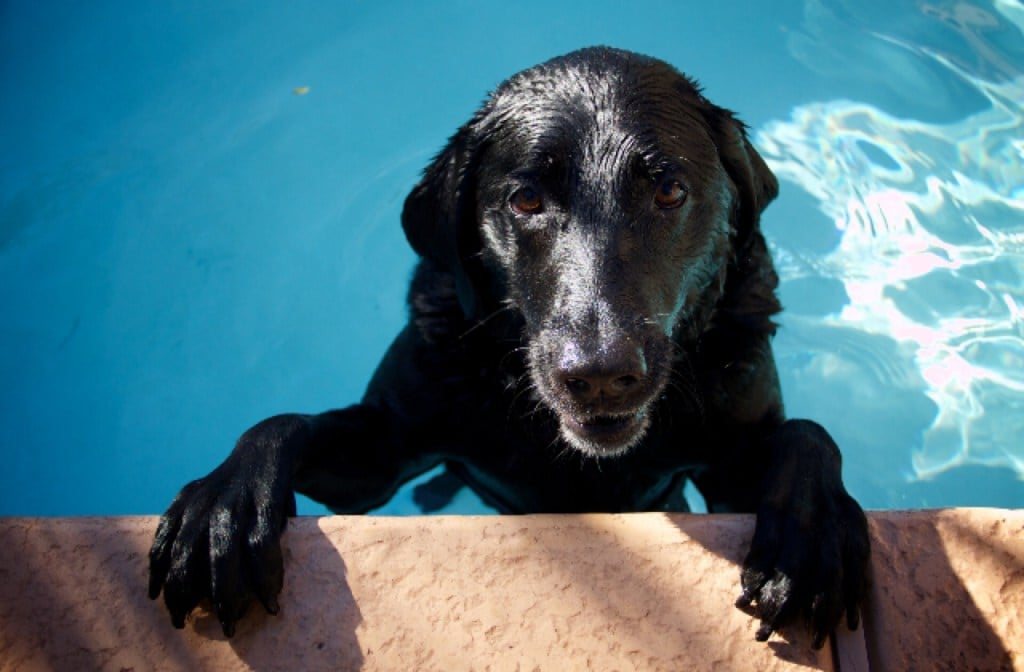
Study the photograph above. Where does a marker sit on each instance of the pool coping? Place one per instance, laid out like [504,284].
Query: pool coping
[633,591]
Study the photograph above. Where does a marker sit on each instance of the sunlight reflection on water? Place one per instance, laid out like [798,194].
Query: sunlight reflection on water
[930,249]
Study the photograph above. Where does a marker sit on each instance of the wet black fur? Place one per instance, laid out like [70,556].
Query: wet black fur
[588,354]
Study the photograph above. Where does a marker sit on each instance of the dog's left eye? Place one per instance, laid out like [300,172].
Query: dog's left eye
[526,201]
[669,194]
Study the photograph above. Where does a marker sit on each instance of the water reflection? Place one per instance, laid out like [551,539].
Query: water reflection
[930,250]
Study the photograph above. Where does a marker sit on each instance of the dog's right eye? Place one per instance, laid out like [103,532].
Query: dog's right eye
[526,201]
[670,194]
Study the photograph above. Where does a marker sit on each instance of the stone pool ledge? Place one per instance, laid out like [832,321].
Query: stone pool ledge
[594,592]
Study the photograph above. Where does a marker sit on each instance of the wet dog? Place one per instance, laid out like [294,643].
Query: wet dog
[590,327]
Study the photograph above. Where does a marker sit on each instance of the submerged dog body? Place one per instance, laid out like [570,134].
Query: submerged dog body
[590,327]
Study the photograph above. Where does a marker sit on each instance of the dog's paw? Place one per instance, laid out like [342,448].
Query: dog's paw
[220,540]
[807,564]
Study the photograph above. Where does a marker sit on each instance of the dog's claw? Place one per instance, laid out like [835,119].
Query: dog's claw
[272,606]
[852,617]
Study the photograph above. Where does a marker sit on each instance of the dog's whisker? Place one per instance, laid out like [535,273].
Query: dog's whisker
[483,321]
[518,351]
[524,390]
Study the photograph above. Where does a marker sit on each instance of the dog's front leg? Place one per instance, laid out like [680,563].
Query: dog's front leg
[220,538]
[809,555]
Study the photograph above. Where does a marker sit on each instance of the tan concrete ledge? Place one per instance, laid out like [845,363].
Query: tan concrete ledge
[631,592]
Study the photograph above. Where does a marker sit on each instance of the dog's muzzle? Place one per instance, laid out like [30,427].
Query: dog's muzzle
[600,394]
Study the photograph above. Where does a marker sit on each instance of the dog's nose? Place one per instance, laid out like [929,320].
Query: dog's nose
[609,371]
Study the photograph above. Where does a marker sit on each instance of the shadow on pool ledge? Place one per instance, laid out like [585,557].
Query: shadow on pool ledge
[637,591]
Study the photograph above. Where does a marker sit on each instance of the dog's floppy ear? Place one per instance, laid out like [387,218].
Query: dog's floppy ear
[440,212]
[755,183]
[750,288]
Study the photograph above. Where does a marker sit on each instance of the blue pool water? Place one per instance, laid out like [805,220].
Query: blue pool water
[199,220]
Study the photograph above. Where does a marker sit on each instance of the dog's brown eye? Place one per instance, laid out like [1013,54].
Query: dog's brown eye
[527,201]
[669,194]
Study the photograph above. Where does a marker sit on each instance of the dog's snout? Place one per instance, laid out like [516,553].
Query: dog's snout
[605,372]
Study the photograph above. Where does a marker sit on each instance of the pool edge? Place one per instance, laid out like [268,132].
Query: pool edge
[634,591]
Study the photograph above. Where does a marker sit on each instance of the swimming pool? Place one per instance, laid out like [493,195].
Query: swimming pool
[199,220]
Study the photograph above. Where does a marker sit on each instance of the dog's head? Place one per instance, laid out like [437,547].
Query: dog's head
[602,197]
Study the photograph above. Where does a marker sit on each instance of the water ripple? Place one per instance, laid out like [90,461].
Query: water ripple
[931,246]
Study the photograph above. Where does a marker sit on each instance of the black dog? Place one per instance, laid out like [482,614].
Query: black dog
[590,327]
